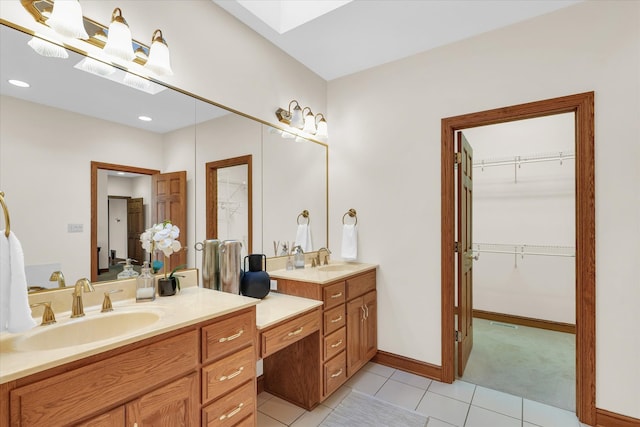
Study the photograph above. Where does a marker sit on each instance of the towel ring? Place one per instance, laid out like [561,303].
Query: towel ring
[304,214]
[7,220]
[353,214]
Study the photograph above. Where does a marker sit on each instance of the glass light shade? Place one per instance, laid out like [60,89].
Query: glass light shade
[93,66]
[159,61]
[309,123]
[296,117]
[322,130]
[136,82]
[119,44]
[288,135]
[48,49]
[66,19]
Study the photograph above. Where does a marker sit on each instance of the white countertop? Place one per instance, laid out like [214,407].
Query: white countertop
[277,307]
[192,305]
[321,275]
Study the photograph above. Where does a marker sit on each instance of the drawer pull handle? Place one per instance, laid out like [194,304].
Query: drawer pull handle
[336,320]
[338,295]
[233,375]
[296,332]
[366,307]
[232,413]
[232,337]
[338,344]
[337,374]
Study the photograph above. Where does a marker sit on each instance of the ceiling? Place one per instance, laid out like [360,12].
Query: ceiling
[365,33]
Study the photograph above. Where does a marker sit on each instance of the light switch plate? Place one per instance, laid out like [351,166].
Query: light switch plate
[74,228]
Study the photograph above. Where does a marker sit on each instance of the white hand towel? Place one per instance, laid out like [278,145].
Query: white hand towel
[349,242]
[15,314]
[303,238]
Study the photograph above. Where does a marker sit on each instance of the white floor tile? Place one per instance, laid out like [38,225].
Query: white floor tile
[334,400]
[434,422]
[281,410]
[497,401]
[547,416]
[444,408]
[366,382]
[266,421]
[400,394]
[376,368]
[479,417]
[457,390]
[411,379]
[263,397]
[313,418]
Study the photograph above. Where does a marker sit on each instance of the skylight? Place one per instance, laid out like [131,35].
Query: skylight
[285,15]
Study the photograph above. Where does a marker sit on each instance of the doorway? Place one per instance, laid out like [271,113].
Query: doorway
[582,105]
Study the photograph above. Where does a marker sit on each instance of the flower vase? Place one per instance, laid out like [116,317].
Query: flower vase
[167,286]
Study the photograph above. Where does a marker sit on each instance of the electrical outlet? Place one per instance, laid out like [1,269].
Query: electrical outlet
[74,228]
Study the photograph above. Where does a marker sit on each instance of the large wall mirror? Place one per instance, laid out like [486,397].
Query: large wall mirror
[51,132]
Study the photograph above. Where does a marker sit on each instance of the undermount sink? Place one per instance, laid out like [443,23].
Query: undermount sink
[85,330]
[338,267]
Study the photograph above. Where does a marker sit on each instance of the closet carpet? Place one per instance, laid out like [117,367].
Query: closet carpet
[536,364]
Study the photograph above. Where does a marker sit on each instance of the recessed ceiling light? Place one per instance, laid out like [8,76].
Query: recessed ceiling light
[121,173]
[19,83]
[145,118]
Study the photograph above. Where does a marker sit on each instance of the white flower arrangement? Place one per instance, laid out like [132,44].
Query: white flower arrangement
[161,238]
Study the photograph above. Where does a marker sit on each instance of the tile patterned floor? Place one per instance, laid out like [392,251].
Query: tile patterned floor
[459,404]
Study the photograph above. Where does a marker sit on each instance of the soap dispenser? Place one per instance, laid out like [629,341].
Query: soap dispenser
[127,271]
[298,257]
[145,285]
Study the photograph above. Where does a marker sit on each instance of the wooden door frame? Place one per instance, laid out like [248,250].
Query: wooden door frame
[211,178]
[583,106]
[94,204]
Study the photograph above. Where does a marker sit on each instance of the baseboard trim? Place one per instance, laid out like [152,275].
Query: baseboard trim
[407,364]
[525,321]
[606,418]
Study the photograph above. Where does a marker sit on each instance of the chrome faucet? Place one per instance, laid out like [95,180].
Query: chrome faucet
[326,257]
[77,308]
[57,275]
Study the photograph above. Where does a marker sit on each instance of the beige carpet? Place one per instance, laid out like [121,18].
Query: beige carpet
[363,410]
[533,363]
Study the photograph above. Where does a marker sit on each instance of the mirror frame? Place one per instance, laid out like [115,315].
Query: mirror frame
[211,178]
[94,204]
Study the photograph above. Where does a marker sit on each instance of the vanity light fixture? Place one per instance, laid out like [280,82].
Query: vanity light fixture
[119,44]
[291,117]
[66,19]
[48,49]
[322,130]
[158,61]
[96,67]
[309,121]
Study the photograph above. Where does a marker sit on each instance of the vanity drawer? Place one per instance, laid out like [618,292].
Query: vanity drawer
[333,295]
[335,373]
[334,343]
[228,335]
[334,319]
[281,336]
[361,284]
[232,408]
[228,373]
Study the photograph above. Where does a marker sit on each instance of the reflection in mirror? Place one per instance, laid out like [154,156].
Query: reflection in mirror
[229,201]
[294,179]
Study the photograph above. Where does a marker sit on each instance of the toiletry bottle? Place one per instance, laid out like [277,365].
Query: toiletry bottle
[146,285]
[127,271]
[298,256]
[289,263]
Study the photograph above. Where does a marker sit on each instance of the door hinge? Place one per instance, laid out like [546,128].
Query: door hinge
[458,158]
[456,247]
[458,336]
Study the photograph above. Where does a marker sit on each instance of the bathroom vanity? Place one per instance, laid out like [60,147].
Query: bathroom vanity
[349,319]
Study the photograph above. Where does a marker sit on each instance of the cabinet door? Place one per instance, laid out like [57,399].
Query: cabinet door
[355,320]
[175,404]
[370,331]
[114,418]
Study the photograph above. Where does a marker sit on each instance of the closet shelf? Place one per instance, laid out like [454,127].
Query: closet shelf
[522,250]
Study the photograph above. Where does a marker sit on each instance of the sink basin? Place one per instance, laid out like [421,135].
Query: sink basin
[84,330]
[338,267]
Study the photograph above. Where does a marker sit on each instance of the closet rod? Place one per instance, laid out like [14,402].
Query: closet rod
[532,158]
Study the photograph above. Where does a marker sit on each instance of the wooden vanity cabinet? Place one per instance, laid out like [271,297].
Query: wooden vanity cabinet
[175,379]
[349,327]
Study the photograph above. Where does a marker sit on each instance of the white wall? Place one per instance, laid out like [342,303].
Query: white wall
[532,204]
[118,227]
[385,162]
